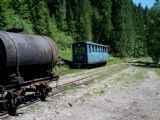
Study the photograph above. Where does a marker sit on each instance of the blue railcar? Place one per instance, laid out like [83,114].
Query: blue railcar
[88,53]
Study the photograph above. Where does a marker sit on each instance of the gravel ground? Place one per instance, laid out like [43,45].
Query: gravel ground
[132,93]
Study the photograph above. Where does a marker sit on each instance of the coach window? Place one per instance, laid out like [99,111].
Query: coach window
[104,49]
[97,48]
[92,48]
[89,48]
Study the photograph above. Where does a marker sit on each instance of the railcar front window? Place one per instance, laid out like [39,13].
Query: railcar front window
[89,48]
[79,50]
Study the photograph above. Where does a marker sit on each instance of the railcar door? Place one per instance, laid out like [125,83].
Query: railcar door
[79,53]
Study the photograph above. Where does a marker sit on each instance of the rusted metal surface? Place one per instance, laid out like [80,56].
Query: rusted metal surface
[58,89]
[28,55]
[26,63]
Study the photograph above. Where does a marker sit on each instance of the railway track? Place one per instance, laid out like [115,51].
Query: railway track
[61,88]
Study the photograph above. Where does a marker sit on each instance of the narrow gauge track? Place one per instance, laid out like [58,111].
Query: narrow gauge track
[58,89]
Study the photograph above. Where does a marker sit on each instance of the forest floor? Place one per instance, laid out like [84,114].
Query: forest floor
[128,91]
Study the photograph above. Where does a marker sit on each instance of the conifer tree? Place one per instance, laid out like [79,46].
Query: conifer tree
[61,15]
[96,25]
[154,34]
[70,19]
[9,17]
[3,9]
[106,22]
[123,28]
[83,20]
[39,16]
[102,21]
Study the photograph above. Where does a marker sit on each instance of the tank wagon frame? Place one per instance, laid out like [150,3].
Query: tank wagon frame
[26,63]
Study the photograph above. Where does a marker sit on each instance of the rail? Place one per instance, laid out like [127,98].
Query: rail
[61,88]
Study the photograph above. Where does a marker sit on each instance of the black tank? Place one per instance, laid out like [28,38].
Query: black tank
[30,55]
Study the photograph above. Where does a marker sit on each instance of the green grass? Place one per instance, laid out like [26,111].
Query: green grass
[93,92]
[157,70]
[65,53]
[69,89]
[112,70]
[113,60]
[135,76]
[61,69]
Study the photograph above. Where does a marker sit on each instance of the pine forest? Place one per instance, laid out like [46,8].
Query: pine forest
[128,29]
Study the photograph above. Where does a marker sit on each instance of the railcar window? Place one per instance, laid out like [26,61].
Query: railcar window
[98,48]
[105,50]
[79,49]
[102,49]
[95,48]
[90,49]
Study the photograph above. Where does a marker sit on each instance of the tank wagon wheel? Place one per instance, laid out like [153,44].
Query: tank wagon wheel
[42,91]
[12,99]
[11,103]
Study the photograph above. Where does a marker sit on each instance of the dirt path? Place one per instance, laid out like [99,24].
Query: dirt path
[130,94]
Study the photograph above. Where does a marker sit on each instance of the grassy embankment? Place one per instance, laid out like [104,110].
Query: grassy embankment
[67,54]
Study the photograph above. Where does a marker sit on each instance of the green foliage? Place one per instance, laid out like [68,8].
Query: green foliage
[123,28]
[154,34]
[66,53]
[11,17]
[83,20]
[140,23]
[126,28]
[58,36]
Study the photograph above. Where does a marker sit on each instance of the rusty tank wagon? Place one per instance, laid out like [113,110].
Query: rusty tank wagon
[26,63]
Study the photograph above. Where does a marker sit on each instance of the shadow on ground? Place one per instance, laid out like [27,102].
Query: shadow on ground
[144,64]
